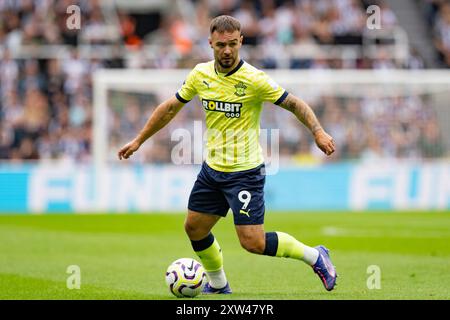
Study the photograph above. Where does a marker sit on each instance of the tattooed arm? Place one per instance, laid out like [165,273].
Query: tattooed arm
[306,115]
[162,115]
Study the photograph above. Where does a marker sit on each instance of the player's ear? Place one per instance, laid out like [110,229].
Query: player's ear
[210,42]
[242,39]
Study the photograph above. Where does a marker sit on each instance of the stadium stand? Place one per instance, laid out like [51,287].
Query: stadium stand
[46,84]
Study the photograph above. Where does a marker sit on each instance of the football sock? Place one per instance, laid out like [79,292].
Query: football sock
[210,254]
[281,244]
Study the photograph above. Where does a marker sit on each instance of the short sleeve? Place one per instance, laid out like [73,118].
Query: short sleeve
[188,90]
[269,90]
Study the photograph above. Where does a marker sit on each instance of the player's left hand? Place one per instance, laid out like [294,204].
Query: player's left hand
[324,141]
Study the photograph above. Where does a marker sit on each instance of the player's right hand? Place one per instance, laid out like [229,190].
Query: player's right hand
[127,150]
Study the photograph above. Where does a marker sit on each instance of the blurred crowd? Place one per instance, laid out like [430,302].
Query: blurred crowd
[46,103]
[368,128]
[309,27]
[438,18]
[365,128]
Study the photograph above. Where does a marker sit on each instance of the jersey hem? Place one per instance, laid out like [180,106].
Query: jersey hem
[238,169]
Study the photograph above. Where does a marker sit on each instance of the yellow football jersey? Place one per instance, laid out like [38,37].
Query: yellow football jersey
[233,104]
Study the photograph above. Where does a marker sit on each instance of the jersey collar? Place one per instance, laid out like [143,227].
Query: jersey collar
[239,65]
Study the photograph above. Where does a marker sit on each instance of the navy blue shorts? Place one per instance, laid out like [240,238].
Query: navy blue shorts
[215,192]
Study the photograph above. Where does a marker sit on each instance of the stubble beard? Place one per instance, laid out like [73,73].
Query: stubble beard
[228,64]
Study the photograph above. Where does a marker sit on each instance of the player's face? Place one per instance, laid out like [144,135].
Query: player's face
[226,47]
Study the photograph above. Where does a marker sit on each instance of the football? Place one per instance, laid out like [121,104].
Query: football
[186,278]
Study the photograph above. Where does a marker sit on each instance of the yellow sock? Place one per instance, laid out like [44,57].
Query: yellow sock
[211,257]
[210,254]
[289,247]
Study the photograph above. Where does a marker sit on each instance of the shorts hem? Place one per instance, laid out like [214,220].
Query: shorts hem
[248,223]
[209,212]
[222,170]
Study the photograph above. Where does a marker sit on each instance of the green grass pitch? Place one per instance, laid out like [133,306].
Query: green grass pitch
[125,256]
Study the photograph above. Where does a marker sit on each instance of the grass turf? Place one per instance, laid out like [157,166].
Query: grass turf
[125,256]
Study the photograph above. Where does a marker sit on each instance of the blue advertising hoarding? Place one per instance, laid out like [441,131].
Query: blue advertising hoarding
[76,189]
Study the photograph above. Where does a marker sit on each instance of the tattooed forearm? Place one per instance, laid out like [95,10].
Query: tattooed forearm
[302,111]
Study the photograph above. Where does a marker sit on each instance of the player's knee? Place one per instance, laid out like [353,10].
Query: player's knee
[191,229]
[253,244]
[195,231]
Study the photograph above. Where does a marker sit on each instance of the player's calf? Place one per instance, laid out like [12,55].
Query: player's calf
[252,238]
[253,246]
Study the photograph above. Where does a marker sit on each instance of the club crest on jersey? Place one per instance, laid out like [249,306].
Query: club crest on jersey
[240,89]
[230,109]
